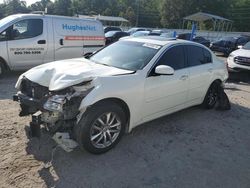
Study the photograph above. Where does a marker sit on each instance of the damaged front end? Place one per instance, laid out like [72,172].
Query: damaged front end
[57,111]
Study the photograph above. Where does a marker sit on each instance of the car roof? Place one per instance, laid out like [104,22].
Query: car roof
[157,40]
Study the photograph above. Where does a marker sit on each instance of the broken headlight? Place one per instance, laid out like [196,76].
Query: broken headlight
[55,103]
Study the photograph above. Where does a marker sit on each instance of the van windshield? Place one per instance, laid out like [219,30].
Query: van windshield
[6,20]
[126,55]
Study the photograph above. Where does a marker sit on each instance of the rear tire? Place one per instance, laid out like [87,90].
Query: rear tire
[101,127]
[211,97]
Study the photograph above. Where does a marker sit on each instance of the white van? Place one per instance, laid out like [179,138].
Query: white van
[27,40]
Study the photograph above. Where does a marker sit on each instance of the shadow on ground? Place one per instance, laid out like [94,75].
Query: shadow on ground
[191,148]
[7,85]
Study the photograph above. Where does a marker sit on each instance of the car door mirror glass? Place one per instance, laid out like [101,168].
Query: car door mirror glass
[164,70]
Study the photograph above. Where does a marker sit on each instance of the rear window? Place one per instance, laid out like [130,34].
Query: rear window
[198,56]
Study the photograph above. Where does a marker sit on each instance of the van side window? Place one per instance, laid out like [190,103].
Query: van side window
[27,29]
[174,57]
[198,56]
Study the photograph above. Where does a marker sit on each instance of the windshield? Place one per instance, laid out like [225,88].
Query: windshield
[247,46]
[126,55]
[6,20]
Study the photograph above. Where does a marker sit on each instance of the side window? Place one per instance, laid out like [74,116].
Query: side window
[198,56]
[27,29]
[174,57]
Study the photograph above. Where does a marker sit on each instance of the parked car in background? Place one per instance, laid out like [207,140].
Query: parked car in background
[145,33]
[228,44]
[111,28]
[168,35]
[239,59]
[113,36]
[153,33]
[198,39]
[184,36]
[202,40]
[135,29]
[140,33]
[28,40]
[125,84]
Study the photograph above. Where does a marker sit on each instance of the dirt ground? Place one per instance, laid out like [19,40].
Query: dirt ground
[192,148]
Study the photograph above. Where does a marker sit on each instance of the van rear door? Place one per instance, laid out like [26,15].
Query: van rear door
[67,38]
[27,46]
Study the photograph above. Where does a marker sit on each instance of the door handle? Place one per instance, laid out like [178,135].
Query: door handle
[210,70]
[184,77]
[41,42]
[61,41]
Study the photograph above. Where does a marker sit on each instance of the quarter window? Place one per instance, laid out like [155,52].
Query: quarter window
[198,56]
[174,57]
[27,29]
[207,56]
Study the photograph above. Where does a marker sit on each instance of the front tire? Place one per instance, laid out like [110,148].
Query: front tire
[101,127]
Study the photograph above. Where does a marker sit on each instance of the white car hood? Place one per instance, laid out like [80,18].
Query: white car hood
[62,74]
[241,52]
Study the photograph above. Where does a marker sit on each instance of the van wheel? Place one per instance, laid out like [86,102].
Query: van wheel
[101,127]
[211,96]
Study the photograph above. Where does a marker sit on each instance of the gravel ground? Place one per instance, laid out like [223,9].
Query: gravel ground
[191,148]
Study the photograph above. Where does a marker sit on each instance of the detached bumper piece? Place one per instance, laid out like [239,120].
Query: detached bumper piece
[35,124]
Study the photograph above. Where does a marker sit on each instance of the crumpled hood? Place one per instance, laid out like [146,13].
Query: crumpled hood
[241,52]
[62,74]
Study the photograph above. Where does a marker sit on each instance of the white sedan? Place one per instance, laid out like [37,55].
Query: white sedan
[99,98]
[240,59]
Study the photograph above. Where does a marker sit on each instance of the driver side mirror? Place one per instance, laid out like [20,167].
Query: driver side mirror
[240,47]
[164,70]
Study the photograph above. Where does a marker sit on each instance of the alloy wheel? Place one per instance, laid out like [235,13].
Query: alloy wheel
[105,130]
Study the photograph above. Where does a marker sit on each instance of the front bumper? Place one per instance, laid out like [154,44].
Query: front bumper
[234,67]
[28,105]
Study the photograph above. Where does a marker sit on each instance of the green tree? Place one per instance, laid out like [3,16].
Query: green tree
[63,7]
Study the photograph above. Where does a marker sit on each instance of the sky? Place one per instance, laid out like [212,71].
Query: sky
[29,2]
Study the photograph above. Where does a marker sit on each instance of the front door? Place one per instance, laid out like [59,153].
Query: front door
[27,46]
[165,92]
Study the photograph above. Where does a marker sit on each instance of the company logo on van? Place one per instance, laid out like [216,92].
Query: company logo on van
[78,28]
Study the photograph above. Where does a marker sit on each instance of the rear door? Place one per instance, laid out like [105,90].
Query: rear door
[200,71]
[27,46]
